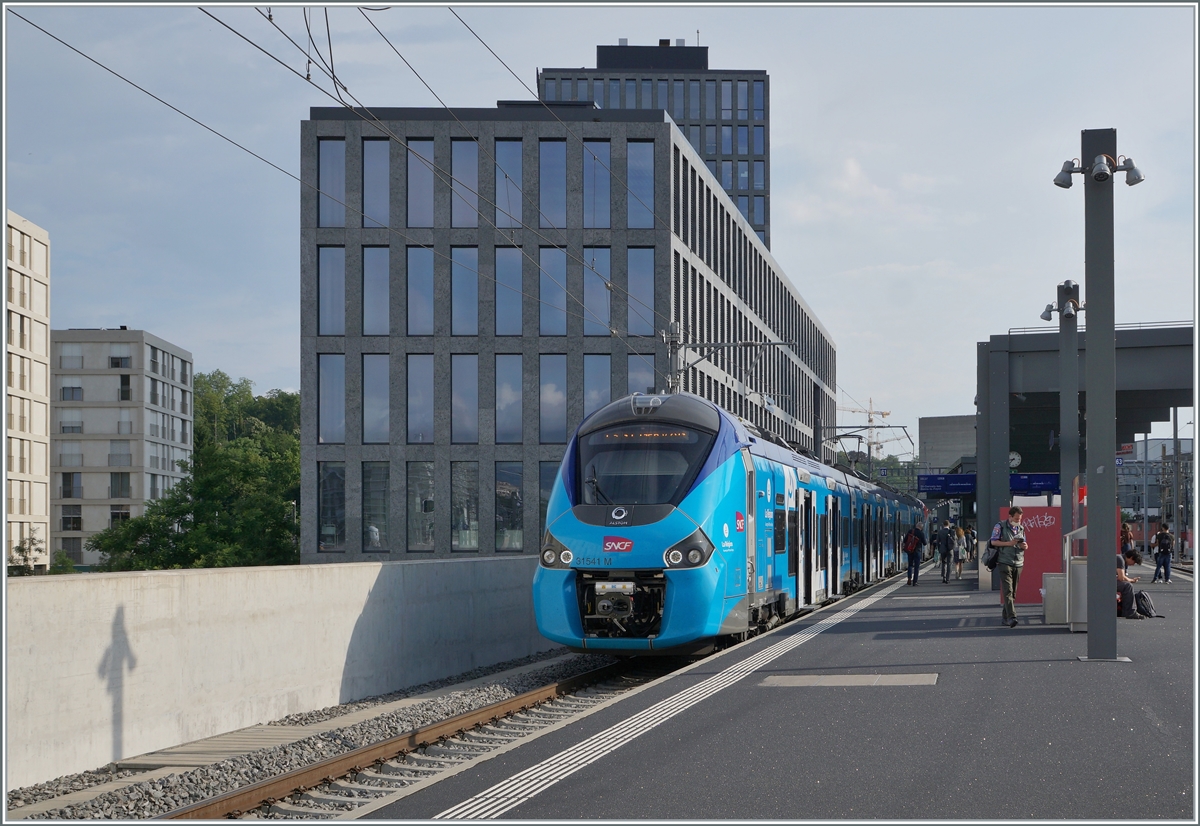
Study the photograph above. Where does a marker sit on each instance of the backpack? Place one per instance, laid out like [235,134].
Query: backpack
[1165,545]
[911,543]
[1145,606]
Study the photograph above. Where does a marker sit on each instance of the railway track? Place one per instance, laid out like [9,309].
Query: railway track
[356,782]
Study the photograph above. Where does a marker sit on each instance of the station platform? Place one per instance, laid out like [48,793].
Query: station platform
[898,703]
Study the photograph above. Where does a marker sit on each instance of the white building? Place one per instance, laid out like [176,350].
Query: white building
[122,415]
[27,400]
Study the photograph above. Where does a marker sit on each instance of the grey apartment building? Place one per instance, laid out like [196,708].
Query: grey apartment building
[724,113]
[122,422]
[474,282]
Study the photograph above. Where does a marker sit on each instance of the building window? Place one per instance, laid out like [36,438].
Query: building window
[70,355]
[641,291]
[119,357]
[641,373]
[630,94]
[73,546]
[694,100]
[680,103]
[375,291]
[375,390]
[331,398]
[464,291]
[760,140]
[72,389]
[727,175]
[508,184]
[641,184]
[710,100]
[510,504]
[614,94]
[759,209]
[375,477]
[331,291]
[421,528]
[124,390]
[598,92]
[420,291]
[744,206]
[508,291]
[726,100]
[464,188]
[71,421]
[420,399]
[376,183]
[118,485]
[647,91]
[464,506]
[464,409]
[72,517]
[420,183]
[117,514]
[710,140]
[662,95]
[553,399]
[552,183]
[597,382]
[331,506]
[760,170]
[553,291]
[743,175]
[694,137]
[596,185]
[509,428]
[547,473]
[743,140]
[596,291]
[119,453]
[726,140]
[331,180]
[550,89]
[759,96]
[72,486]
[743,103]
[70,454]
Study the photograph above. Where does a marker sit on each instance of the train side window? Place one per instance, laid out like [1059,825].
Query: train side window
[780,533]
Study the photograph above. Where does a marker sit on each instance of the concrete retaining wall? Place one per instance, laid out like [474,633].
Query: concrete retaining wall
[106,666]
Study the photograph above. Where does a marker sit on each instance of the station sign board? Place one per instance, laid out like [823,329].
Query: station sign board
[950,484]
[1033,483]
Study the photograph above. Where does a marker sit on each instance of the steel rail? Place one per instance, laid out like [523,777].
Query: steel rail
[277,788]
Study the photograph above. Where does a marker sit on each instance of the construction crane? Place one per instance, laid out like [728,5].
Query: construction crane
[871,412]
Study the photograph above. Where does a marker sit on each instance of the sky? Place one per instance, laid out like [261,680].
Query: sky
[913,153]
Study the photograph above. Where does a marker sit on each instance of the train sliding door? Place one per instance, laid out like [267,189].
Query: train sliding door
[834,576]
[808,563]
[795,570]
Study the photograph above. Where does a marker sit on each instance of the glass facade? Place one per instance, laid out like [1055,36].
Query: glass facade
[331,506]
[420,183]
[508,291]
[510,504]
[331,291]
[596,185]
[641,291]
[376,186]
[641,184]
[464,199]
[597,382]
[464,506]
[421,514]
[552,183]
[464,291]
[509,428]
[420,399]
[547,471]
[553,399]
[420,291]
[641,373]
[375,478]
[596,291]
[464,399]
[331,179]
[375,291]
[331,398]
[375,395]
[553,291]
[508,184]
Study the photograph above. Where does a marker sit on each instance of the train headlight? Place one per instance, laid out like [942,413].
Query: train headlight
[690,553]
[554,553]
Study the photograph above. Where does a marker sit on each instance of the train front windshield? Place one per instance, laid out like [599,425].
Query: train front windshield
[640,464]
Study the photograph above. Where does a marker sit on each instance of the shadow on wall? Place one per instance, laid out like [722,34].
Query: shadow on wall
[112,667]
[425,620]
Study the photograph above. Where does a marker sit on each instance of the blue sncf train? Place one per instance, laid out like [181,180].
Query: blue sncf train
[674,527]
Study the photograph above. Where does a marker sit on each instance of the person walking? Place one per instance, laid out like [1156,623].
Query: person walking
[914,542]
[1164,547]
[960,551]
[1009,536]
[945,540]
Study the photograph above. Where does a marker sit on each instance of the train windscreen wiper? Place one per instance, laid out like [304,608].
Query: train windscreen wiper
[595,486]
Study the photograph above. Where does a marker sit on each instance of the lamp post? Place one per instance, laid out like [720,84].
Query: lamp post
[1100,379]
[1068,309]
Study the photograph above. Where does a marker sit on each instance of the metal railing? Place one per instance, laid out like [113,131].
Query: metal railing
[70,493]
[125,394]
[124,428]
[120,460]
[70,460]
[1133,325]
[120,493]
[70,362]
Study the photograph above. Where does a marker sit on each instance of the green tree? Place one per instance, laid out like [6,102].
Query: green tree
[62,563]
[237,505]
[22,555]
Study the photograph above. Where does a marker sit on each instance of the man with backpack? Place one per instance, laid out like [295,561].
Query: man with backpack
[1008,538]
[1125,583]
[1164,547]
[946,542]
[914,541]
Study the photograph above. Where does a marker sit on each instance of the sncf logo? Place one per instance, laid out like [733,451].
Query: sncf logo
[617,545]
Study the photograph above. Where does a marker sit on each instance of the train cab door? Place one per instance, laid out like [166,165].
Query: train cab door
[751,521]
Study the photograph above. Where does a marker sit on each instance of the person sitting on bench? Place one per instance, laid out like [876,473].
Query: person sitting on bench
[1124,583]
